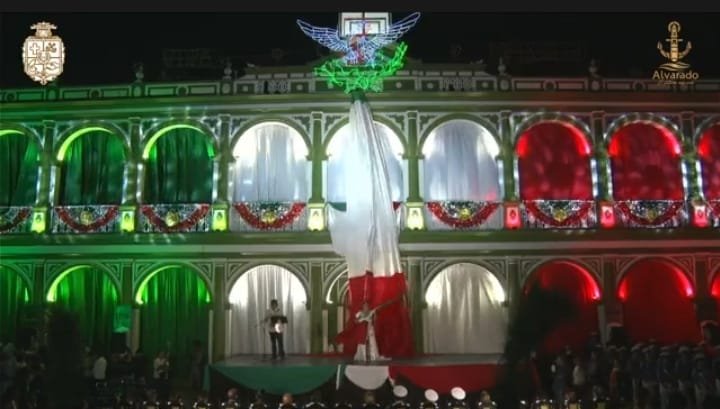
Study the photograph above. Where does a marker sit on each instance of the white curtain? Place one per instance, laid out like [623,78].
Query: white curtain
[271,165]
[366,233]
[343,160]
[464,312]
[460,163]
[250,299]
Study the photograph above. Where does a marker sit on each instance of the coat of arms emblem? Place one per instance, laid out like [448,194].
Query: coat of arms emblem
[43,54]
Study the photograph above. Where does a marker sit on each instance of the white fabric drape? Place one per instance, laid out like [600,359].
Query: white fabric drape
[271,165]
[366,233]
[341,157]
[460,164]
[250,299]
[465,313]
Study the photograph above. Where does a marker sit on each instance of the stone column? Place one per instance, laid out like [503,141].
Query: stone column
[705,304]
[611,305]
[316,307]
[514,285]
[316,204]
[216,347]
[507,155]
[689,157]
[600,155]
[416,299]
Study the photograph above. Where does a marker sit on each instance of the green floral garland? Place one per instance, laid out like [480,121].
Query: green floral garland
[365,78]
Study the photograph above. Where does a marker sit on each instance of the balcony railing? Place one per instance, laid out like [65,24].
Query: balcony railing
[85,219]
[559,214]
[268,216]
[15,219]
[651,213]
[463,215]
[175,218]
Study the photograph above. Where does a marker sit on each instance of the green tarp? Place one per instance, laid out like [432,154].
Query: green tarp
[290,379]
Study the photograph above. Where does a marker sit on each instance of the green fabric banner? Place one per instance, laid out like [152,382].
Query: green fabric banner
[90,294]
[18,170]
[14,296]
[174,314]
[279,380]
[92,170]
[179,169]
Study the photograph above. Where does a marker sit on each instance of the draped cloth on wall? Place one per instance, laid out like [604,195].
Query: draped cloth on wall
[554,163]
[645,163]
[89,293]
[271,165]
[342,156]
[709,156]
[14,295]
[366,234]
[460,164]
[179,168]
[18,170]
[579,286]
[464,312]
[174,314]
[92,170]
[250,299]
[657,303]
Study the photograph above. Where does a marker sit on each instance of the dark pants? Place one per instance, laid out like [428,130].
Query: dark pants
[276,340]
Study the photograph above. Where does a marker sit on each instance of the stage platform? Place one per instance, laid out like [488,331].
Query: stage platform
[300,374]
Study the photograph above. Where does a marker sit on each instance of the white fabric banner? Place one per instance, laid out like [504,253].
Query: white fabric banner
[459,164]
[271,165]
[250,299]
[465,314]
[366,234]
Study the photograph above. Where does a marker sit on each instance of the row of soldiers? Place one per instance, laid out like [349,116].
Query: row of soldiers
[231,401]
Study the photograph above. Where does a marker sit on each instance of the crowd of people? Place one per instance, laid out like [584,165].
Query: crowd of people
[642,376]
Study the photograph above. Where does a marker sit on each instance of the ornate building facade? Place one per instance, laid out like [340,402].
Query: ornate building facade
[608,189]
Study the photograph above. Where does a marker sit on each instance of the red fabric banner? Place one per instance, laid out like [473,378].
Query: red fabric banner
[393,330]
[709,155]
[472,378]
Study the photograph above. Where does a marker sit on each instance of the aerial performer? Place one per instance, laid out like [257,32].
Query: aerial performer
[366,232]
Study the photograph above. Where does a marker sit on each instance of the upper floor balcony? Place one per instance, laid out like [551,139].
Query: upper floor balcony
[497,153]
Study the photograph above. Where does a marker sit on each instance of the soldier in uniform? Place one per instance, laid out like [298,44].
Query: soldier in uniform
[486,401]
[202,402]
[231,400]
[400,392]
[287,402]
[457,400]
[258,403]
[665,377]
[430,401]
[369,401]
[175,403]
[315,402]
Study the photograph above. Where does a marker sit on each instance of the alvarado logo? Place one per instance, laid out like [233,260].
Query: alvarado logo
[675,71]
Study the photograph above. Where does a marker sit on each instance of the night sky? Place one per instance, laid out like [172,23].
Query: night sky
[102,48]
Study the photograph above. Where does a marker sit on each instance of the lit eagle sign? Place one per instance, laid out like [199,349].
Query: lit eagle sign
[361,39]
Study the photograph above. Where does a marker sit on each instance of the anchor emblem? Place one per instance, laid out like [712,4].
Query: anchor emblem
[674,55]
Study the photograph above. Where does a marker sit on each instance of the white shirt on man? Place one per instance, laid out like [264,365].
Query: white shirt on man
[272,312]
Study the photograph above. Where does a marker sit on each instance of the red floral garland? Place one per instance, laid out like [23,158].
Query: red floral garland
[671,212]
[574,218]
[253,220]
[477,218]
[19,218]
[714,206]
[70,221]
[198,214]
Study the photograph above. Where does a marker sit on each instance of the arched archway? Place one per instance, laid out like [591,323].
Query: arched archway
[554,163]
[709,157]
[272,177]
[250,297]
[580,287]
[465,311]
[92,168]
[340,161]
[645,162]
[657,298]
[89,292]
[175,305]
[179,166]
[19,167]
[14,296]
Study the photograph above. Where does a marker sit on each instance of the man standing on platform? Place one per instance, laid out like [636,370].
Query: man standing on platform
[275,320]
